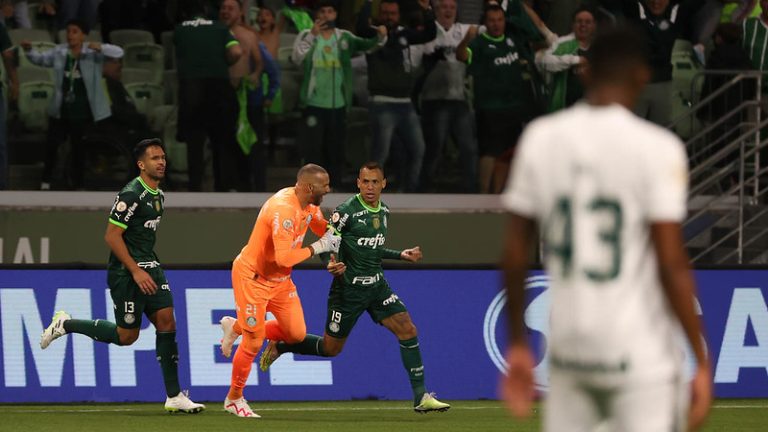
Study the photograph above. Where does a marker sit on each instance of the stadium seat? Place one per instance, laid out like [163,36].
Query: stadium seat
[171,85]
[686,88]
[163,121]
[109,162]
[125,37]
[35,74]
[32,35]
[290,83]
[358,146]
[34,98]
[286,39]
[149,56]
[166,40]
[92,36]
[146,96]
[136,75]
[284,58]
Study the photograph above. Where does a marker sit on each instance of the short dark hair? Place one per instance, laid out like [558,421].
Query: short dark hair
[584,8]
[82,25]
[372,166]
[491,7]
[268,9]
[617,50]
[326,3]
[141,147]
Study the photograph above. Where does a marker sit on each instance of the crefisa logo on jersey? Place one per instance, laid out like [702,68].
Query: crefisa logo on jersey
[536,321]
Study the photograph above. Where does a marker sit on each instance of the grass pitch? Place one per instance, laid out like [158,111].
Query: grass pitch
[743,415]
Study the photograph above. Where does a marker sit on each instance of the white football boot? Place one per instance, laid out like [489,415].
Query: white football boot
[240,408]
[55,330]
[182,403]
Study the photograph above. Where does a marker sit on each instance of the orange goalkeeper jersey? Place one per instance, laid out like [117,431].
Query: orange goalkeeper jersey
[275,245]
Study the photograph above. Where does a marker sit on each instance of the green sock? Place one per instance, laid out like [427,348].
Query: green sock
[411,355]
[100,330]
[311,345]
[168,356]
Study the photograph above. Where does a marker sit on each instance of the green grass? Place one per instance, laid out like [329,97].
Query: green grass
[369,416]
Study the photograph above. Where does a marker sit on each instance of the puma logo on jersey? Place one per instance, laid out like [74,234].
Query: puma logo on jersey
[363,221]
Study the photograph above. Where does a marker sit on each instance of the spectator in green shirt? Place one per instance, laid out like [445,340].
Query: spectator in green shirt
[326,91]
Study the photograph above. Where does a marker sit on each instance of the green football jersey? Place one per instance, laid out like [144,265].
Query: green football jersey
[363,232]
[495,64]
[137,209]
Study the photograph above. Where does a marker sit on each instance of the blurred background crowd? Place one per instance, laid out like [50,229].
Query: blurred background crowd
[242,92]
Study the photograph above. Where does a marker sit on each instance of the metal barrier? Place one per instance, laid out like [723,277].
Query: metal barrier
[724,154]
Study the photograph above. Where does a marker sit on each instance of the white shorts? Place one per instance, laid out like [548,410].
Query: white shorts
[574,405]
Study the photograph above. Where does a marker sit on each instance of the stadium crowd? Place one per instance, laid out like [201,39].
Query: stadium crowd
[229,84]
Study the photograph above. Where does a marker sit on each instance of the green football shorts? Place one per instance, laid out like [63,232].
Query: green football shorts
[131,303]
[347,302]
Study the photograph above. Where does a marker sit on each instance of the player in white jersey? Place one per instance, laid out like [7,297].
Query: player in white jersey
[608,192]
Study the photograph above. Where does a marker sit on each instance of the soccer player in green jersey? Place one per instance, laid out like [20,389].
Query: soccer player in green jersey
[359,286]
[136,281]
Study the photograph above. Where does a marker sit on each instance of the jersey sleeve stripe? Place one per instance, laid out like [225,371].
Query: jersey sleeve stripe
[120,224]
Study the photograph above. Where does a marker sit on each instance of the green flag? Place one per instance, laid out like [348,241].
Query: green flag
[299,17]
[246,137]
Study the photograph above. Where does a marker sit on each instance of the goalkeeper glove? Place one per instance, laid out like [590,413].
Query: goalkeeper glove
[329,242]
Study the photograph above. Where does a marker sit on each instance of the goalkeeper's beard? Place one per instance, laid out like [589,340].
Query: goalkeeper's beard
[316,199]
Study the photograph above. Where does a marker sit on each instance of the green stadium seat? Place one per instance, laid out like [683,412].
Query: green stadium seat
[136,75]
[287,39]
[163,121]
[32,35]
[284,58]
[125,37]
[290,83]
[685,87]
[146,96]
[149,56]
[34,74]
[358,146]
[34,99]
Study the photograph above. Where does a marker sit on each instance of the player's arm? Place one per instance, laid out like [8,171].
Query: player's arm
[283,237]
[517,389]
[114,239]
[319,225]
[666,207]
[679,289]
